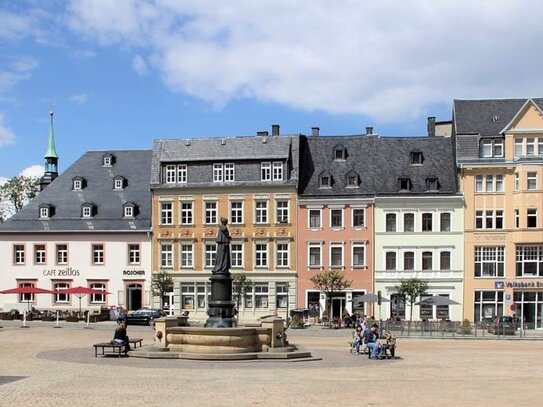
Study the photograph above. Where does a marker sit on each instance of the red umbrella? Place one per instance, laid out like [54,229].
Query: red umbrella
[27,290]
[80,292]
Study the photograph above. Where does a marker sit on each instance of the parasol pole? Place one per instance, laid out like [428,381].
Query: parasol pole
[57,325]
[24,320]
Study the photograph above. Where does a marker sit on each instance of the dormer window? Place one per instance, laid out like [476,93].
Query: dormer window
[130,210]
[404,184]
[119,182]
[431,184]
[353,180]
[46,210]
[325,180]
[340,153]
[416,158]
[78,183]
[108,160]
[88,210]
[490,148]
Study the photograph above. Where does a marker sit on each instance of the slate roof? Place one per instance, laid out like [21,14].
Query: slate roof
[134,165]
[240,148]
[379,162]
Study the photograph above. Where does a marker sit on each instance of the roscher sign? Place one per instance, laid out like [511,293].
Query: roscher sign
[133,272]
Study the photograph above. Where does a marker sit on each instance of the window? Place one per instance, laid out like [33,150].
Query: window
[282,211]
[426,222]
[26,297]
[352,180]
[188,292]
[427,261]
[530,146]
[416,158]
[97,254]
[281,295]
[339,153]
[445,261]
[128,211]
[202,289]
[236,212]
[62,253]
[265,171]
[336,218]
[87,211]
[229,172]
[517,218]
[261,212]
[19,254]
[261,255]
[390,260]
[336,256]
[409,261]
[210,215]
[409,222]
[61,298]
[390,222]
[325,181]
[489,261]
[118,184]
[182,173]
[489,183]
[358,218]
[277,171]
[431,184]
[531,217]
[77,184]
[39,254]
[186,255]
[282,254]
[170,174]
[359,256]
[261,295]
[518,148]
[44,212]
[314,218]
[236,253]
[98,298]
[488,304]
[445,222]
[133,253]
[491,148]
[210,254]
[489,219]
[529,261]
[532,181]
[166,255]
[315,256]
[187,215]
[404,184]
[166,213]
[218,173]
[106,162]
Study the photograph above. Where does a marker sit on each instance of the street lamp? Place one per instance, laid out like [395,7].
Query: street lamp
[288,289]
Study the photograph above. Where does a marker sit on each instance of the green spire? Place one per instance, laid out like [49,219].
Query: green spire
[51,151]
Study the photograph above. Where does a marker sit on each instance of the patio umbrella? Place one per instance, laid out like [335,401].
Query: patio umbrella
[369,297]
[80,292]
[437,300]
[26,290]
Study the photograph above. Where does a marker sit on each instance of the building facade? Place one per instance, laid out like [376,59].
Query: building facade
[250,181]
[500,161]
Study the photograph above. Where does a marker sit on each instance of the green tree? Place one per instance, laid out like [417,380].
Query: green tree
[330,282]
[242,285]
[15,193]
[161,283]
[409,290]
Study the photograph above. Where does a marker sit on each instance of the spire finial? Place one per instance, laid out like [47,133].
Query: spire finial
[51,150]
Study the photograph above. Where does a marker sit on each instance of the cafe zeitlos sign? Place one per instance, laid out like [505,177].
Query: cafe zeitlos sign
[71,272]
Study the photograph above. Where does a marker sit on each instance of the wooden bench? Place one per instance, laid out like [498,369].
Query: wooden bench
[117,349]
[134,342]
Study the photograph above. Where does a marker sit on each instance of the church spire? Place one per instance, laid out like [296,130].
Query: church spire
[51,158]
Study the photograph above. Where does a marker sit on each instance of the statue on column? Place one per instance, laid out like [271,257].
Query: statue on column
[222,260]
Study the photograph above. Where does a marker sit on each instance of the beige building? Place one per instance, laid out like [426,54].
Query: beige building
[500,161]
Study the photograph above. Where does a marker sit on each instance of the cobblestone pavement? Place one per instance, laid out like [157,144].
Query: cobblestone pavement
[43,366]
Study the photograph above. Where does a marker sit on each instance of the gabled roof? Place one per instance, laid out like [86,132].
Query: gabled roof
[379,162]
[134,164]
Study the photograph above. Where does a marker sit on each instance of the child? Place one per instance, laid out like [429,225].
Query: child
[357,336]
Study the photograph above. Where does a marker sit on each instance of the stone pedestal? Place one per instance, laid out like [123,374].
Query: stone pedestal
[221,307]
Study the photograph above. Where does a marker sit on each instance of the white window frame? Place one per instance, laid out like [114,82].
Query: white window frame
[261,211]
[395,255]
[77,184]
[261,254]
[62,298]
[236,255]
[282,256]
[170,173]
[531,181]
[314,246]
[87,211]
[449,222]
[487,216]
[186,257]
[529,254]
[531,213]
[40,253]
[266,171]
[19,254]
[182,173]
[237,214]
[336,247]
[128,211]
[118,183]
[98,255]
[61,254]
[423,223]
[363,211]
[424,259]
[210,254]
[282,212]
[97,298]
[44,212]
[412,214]
[210,213]
[277,171]
[491,256]
[394,224]
[166,255]
[187,213]
[358,246]
[229,172]
[218,173]
[441,265]
[319,219]
[166,213]
[134,253]
[340,211]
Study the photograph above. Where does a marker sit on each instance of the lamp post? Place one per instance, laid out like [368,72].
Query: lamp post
[286,321]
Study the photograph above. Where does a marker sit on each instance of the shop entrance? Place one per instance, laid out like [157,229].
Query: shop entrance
[134,296]
[529,308]
[338,305]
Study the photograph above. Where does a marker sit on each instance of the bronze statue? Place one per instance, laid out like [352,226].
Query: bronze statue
[222,260]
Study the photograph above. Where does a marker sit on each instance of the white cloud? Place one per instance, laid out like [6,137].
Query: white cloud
[390,59]
[35,170]
[78,99]
[139,65]
[6,134]
[18,68]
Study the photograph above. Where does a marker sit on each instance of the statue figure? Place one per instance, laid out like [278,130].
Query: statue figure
[222,260]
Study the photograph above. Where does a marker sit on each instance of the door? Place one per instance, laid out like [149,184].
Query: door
[134,296]
[338,303]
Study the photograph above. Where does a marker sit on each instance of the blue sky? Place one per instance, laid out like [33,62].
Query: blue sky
[122,73]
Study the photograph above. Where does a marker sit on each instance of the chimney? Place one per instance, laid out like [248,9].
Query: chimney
[275,129]
[315,131]
[431,127]
[369,131]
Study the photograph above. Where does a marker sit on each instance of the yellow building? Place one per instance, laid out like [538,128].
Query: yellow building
[499,147]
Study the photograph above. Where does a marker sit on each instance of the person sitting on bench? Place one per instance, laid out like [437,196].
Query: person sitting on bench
[120,337]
